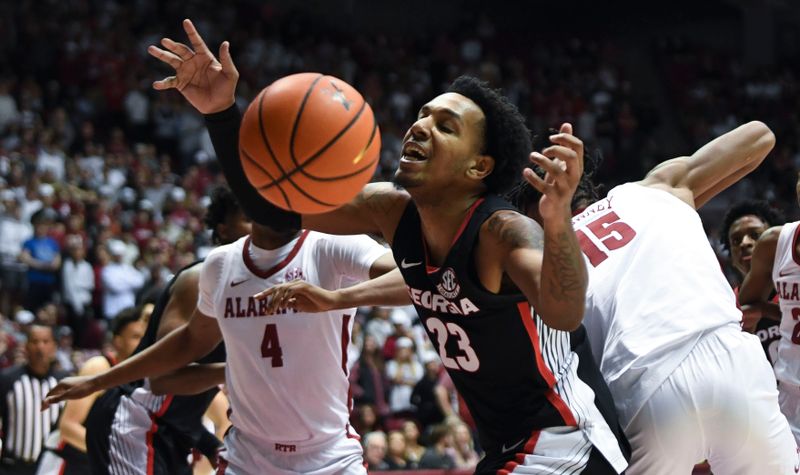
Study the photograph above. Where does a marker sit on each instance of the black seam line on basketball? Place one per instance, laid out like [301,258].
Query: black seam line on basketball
[297,118]
[264,135]
[299,167]
[302,170]
[261,167]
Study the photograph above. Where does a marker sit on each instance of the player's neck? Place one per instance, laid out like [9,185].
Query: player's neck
[441,222]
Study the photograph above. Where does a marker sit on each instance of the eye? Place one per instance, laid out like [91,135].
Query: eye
[445,129]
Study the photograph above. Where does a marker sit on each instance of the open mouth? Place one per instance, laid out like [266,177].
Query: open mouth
[413,153]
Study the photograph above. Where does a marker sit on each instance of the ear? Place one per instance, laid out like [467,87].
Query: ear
[481,167]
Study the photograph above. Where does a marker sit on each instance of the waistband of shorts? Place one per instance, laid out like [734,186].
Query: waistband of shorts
[791,388]
[290,447]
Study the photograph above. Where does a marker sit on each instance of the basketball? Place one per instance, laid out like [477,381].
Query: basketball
[309,142]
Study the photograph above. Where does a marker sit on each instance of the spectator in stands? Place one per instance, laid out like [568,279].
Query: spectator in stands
[365,419]
[396,451]
[379,326]
[120,281]
[42,255]
[404,371]
[414,450]
[367,377]
[436,455]
[375,450]
[401,327]
[77,279]
[463,451]
[429,397]
[14,232]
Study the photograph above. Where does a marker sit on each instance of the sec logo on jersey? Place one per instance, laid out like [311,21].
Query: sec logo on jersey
[448,286]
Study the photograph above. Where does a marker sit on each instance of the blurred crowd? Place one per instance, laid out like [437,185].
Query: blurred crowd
[104,182]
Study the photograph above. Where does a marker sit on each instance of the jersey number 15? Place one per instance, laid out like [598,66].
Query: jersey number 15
[610,231]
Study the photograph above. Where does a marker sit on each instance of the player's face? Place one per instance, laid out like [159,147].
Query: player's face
[442,144]
[128,339]
[742,237]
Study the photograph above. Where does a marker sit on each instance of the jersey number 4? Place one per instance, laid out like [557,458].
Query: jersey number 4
[271,346]
[610,231]
[796,331]
[469,361]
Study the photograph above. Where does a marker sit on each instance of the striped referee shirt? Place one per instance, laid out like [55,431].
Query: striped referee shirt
[24,425]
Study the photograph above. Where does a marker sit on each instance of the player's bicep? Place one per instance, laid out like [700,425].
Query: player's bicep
[204,332]
[520,242]
[181,303]
[757,285]
[712,167]
[375,210]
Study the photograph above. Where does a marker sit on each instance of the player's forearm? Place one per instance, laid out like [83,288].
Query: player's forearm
[386,290]
[191,380]
[172,352]
[564,277]
[223,128]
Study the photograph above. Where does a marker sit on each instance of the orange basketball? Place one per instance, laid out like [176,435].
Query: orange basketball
[309,143]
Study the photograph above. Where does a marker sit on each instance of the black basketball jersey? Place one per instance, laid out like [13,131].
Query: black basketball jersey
[177,419]
[514,373]
[183,414]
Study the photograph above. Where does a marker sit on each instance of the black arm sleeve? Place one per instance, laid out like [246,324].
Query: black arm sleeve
[223,127]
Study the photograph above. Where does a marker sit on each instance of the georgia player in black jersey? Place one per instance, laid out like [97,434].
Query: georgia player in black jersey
[465,147]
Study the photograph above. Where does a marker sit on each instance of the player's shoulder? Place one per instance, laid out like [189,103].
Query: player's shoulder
[511,229]
[94,365]
[320,240]
[771,235]
[220,254]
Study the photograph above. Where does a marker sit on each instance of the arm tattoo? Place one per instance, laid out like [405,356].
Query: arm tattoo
[515,230]
[378,201]
[566,282]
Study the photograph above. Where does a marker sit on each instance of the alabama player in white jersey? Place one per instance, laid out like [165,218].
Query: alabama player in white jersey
[286,371]
[663,323]
[776,265]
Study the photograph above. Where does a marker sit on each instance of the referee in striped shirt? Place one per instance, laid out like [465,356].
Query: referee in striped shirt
[24,425]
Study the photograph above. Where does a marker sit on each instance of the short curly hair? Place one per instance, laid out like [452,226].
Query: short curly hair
[758,208]
[223,204]
[506,137]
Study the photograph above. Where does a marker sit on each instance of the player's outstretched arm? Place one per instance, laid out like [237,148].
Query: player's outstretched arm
[545,262]
[189,342]
[191,380]
[715,166]
[387,290]
[209,84]
[757,286]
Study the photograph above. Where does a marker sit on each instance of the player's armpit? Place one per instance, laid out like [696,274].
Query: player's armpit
[375,210]
[191,380]
[715,166]
[382,265]
[757,285]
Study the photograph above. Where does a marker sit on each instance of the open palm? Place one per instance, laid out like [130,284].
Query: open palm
[207,83]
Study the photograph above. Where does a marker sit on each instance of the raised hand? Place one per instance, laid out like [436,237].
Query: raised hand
[76,387]
[563,166]
[298,295]
[208,84]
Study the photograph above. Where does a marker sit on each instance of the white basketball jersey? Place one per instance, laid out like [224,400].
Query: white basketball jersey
[786,275]
[286,372]
[655,287]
